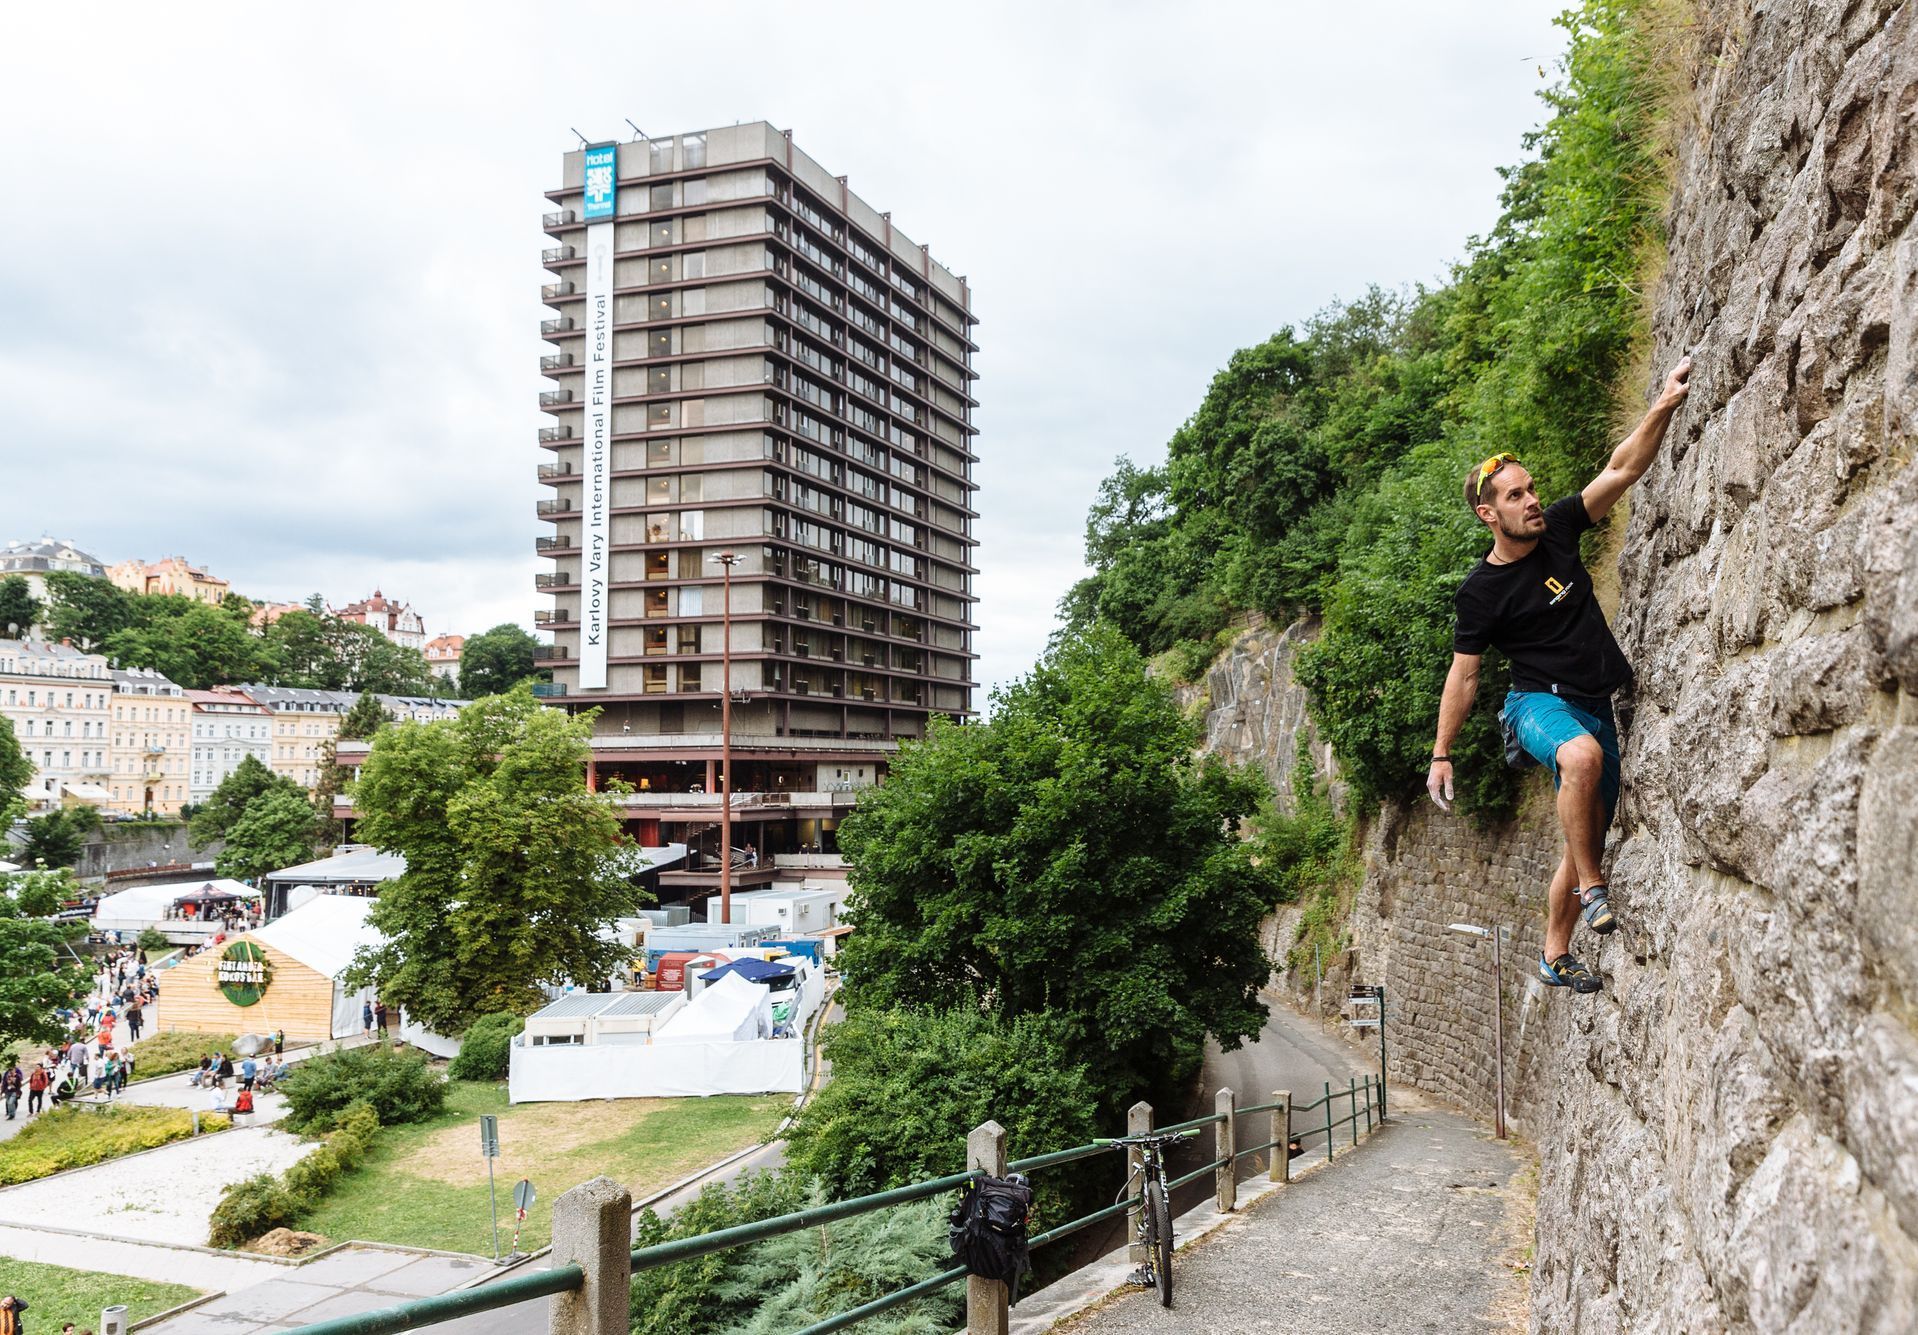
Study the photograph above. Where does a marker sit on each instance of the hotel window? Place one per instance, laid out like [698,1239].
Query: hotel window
[691,487]
[659,414]
[655,679]
[692,151]
[660,270]
[689,639]
[659,453]
[660,343]
[689,676]
[660,196]
[659,491]
[656,642]
[661,232]
[658,565]
[660,306]
[657,603]
[659,380]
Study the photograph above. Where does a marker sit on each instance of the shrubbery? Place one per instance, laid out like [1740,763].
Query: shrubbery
[153,941]
[264,1202]
[74,1138]
[399,1086]
[485,1050]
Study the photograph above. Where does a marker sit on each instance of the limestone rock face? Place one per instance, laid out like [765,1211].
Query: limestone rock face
[1729,1133]
[1256,714]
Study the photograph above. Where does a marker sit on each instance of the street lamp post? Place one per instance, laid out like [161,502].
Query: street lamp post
[727,561]
[1498,1013]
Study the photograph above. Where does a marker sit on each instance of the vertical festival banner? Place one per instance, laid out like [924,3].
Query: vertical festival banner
[595,592]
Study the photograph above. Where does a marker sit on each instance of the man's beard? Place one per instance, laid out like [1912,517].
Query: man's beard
[1524,534]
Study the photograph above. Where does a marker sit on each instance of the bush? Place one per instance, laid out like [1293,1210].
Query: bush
[484,1051]
[396,1086]
[260,1204]
[163,1054]
[249,1208]
[73,1138]
[153,940]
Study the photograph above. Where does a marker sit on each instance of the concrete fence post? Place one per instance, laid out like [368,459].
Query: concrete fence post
[1225,1177]
[1281,1136]
[593,1229]
[1138,1121]
[986,1298]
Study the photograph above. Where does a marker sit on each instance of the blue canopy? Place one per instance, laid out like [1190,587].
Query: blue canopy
[752,970]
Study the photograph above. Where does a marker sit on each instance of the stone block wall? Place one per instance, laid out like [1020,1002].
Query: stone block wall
[1729,1132]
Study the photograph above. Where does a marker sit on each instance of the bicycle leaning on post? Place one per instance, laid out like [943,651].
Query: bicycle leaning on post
[1155,1206]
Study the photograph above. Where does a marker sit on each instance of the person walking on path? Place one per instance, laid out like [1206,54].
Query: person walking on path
[248,1070]
[1532,599]
[37,1081]
[12,1081]
[134,1020]
[366,1018]
[379,1018]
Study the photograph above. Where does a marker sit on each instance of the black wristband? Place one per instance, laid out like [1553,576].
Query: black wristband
[1446,759]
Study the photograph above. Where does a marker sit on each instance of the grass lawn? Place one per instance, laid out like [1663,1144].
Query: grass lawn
[424,1185]
[56,1295]
[176,1050]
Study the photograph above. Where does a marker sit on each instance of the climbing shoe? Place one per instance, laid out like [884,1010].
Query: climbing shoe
[1566,971]
[1598,909]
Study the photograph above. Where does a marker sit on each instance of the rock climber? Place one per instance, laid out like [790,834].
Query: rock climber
[1531,599]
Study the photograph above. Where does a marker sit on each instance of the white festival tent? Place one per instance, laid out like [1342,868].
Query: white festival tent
[147,905]
[323,934]
[730,1010]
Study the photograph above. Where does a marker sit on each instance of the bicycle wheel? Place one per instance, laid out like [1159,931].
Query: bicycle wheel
[1158,1215]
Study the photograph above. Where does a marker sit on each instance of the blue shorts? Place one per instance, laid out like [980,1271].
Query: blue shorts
[1544,722]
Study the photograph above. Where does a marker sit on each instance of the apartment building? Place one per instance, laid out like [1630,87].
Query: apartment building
[37,559]
[150,758]
[443,654]
[397,621]
[228,726]
[60,703]
[170,575]
[303,722]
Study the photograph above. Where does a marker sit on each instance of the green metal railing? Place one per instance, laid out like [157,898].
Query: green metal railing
[567,1278]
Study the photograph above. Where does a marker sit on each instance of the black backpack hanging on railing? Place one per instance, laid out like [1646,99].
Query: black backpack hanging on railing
[988,1232]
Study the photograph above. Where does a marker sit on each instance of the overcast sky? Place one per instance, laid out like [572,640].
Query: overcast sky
[269,275]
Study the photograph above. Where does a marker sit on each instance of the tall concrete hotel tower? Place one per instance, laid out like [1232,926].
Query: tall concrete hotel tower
[747,360]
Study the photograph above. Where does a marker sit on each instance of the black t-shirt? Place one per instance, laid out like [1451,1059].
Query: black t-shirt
[1539,611]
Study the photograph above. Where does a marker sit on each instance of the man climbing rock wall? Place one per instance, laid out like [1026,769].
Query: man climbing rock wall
[1730,1137]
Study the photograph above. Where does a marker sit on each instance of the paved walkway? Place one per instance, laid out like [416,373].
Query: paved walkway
[1406,1233]
[342,1283]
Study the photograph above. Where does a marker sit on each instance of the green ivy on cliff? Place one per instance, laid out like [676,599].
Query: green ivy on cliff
[1322,472]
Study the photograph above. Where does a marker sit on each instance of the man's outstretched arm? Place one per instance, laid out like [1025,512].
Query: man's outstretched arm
[1461,684]
[1635,453]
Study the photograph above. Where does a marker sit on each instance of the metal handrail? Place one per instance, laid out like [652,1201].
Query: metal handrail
[704,1244]
[1038,1161]
[446,1306]
[878,1305]
[1192,1125]
[1194,1175]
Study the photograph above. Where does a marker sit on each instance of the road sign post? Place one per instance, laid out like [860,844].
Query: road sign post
[489,1146]
[523,1198]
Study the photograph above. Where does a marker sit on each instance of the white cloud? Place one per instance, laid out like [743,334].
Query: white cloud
[268,276]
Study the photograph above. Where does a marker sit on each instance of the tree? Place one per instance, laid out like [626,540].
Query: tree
[42,973]
[276,830]
[360,723]
[909,1085]
[1069,855]
[19,609]
[512,871]
[86,610]
[228,803]
[16,772]
[58,838]
[192,644]
[496,661]
[41,894]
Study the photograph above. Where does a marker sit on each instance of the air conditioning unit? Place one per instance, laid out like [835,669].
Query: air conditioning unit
[866,659]
[802,688]
[803,612]
[838,618]
[837,654]
[838,688]
[867,693]
[803,649]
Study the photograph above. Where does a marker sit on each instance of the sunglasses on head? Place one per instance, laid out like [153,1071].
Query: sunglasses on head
[1491,466]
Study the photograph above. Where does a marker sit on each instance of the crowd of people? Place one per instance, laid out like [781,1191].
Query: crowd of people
[96,1054]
